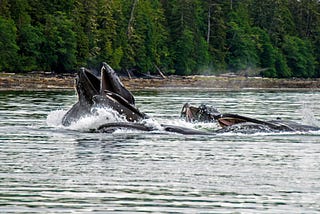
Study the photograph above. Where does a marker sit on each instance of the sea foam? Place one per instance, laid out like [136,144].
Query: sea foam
[98,117]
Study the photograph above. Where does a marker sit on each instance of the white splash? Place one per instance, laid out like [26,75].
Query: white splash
[98,117]
[195,125]
[150,122]
[54,118]
[308,115]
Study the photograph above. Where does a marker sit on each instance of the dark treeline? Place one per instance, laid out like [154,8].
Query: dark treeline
[276,38]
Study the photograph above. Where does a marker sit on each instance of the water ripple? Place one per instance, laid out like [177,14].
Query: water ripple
[45,168]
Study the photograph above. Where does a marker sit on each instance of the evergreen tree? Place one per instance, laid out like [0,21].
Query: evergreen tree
[19,12]
[146,36]
[278,37]
[282,69]
[29,38]
[242,49]
[137,36]
[4,9]
[8,46]
[216,32]
[84,14]
[274,17]
[299,57]
[105,31]
[30,42]
[120,40]
[266,52]
[187,35]
[60,46]
[306,17]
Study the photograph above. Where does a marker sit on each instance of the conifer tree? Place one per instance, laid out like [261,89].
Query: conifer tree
[242,53]
[280,38]
[60,46]
[8,46]
[216,32]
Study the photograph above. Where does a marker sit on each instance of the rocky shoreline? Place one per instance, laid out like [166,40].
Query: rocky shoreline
[9,81]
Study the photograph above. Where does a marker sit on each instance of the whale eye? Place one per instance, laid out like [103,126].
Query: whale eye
[121,110]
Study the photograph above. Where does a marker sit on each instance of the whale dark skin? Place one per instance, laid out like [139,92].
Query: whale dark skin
[239,123]
[87,86]
[107,92]
[111,127]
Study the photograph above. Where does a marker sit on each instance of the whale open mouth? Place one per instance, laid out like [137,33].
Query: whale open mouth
[87,85]
[189,112]
[203,113]
[107,92]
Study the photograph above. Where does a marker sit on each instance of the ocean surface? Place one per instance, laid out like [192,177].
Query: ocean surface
[47,168]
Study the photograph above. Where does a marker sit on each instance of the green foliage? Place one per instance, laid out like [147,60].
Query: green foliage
[147,36]
[4,9]
[306,18]
[105,31]
[275,17]
[277,38]
[282,69]
[187,47]
[216,32]
[299,57]
[242,49]
[266,52]
[60,46]
[30,43]
[184,49]
[8,46]
[19,12]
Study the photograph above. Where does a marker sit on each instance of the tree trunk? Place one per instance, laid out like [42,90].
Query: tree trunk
[130,29]
[129,75]
[209,25]
[159,71]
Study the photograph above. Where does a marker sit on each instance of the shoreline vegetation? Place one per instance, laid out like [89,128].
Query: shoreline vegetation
[280,38]
[35,81]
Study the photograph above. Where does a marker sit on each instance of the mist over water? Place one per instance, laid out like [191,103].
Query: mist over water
[47,168]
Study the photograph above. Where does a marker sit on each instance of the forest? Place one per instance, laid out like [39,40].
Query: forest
[271,38]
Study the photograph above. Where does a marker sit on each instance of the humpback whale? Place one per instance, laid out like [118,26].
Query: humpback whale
[109,92]
[238,123]
[105,92]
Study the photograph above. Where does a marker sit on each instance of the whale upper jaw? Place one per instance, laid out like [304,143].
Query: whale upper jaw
[111,82]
